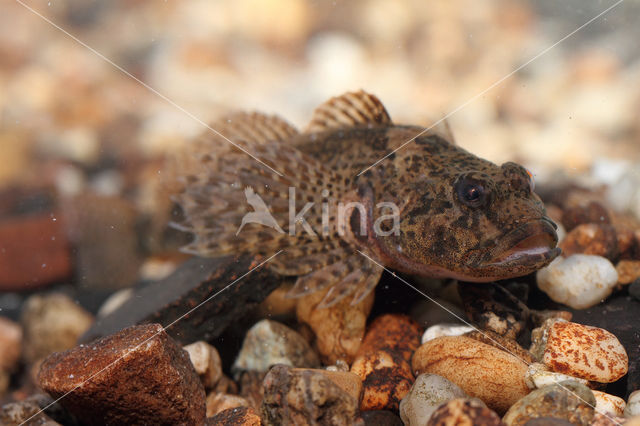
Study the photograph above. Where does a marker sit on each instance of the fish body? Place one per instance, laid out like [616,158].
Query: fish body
[429,208]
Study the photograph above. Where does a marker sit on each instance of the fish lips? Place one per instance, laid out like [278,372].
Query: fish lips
[531,244]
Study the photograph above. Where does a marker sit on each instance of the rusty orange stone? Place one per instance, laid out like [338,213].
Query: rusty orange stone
[34,251]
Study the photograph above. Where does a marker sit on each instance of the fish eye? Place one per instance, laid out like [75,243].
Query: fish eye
[471,192]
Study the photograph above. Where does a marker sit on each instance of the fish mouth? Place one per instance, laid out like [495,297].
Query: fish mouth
[533,243]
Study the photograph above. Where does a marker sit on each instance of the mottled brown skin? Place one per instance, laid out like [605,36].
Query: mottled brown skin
[459,216]
[440,236]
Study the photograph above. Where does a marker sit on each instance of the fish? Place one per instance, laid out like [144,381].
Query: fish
[429,208]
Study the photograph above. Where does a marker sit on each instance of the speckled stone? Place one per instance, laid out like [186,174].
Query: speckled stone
[428,392]
[464,412]
[569,401]
[579,350]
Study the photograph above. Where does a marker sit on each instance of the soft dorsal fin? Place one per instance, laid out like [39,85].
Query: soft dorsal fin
[349,110]
[255,127]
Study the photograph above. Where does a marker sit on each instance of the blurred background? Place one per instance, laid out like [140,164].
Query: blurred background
[83,146]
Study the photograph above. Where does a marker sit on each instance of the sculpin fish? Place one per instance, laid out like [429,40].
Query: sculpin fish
[431,208]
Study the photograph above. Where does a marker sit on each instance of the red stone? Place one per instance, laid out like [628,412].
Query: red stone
[34,251]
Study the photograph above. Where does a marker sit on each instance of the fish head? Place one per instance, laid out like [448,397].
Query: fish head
[463,217]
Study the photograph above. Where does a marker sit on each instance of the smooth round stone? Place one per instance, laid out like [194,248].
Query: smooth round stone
[481,370]
[579,281]
[428,392]
[569,401]
[440,330]
[633,405]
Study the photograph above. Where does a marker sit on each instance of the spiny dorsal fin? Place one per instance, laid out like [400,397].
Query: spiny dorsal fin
[349,110]
[255,127]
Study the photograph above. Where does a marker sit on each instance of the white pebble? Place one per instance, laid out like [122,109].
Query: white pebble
[440,330]
[633,405]
[579,281]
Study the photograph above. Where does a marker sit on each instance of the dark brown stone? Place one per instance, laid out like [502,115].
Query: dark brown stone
[137,376]
[305,397]
[195,281]
[34,251]
[593,212]
[380,418]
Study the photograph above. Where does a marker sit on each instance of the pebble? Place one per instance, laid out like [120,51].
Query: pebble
[145,378]
[569,401]
[35,252]
[380,418]
[346,380]
[51,323]
[464,412]
[339,329]
[305,397]
[600,419]
[427,393]
[218,402]
[268,343]
[395,333]
[10,344]
[628,271]
[591,238]
[593,212]
[633,405]
[206,361]
[386,379]
[18,413]
[579,350]
[538,375]
[579,281]
[237,416]
[440,330]
[609,404]
[481,370]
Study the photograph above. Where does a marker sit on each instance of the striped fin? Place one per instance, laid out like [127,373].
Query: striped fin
[349,110]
